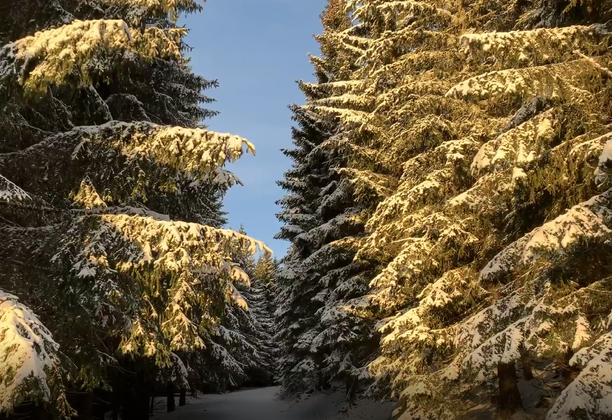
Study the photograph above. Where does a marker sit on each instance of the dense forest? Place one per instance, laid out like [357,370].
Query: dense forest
[448,210]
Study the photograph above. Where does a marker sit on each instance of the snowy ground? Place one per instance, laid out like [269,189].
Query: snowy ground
[261,404]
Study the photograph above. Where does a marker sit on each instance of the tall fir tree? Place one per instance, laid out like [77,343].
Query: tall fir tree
[488,121]
[243,341]
[115,272]
[266,289]
[323,340]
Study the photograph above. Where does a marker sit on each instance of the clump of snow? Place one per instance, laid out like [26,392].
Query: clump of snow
[10,191]
[239,299]
[605,163]
[29,365]
[520,145]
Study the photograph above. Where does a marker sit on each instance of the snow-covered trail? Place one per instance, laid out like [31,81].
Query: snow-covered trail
[261,404]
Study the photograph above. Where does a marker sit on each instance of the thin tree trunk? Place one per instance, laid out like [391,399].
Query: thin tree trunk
[116,408]
[128,402]
[526,364]
[527,370]
[152,406]
[100,405]
[40,413]
[116,400]
[142,397]
[567,371]
[351,390]
[86,406]
[509,395]
[170,396]
[183,397]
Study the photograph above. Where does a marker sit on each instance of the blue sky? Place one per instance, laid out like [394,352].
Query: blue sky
[256,49]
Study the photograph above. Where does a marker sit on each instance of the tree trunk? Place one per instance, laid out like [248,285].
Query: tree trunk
[142,397]
[116,408]
[116,403]
[100,404]
[152,406]
[86,406]
[40,413]
[135,395]
[526,363]
[567,372]
[351,390]
[509,395]
[128,402]
[183,397]
[527,371]
[170,396]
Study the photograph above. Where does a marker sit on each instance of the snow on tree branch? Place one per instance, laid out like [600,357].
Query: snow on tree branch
[556,81]
[192,150]
[162,7]
[541,46]
[50,56]
[519,145]
[588,396]
[9,191]
[29,359]
[591,219]
[172,245]
[171,154]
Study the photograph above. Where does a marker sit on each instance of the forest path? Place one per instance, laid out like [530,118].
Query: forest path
[261,404]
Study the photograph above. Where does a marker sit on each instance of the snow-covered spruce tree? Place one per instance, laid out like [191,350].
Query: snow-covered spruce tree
[261,332]
[31,363]
[256,322]
[548,284]
[265,270]
[243,336]
[265,289]
[406,69]
[322,340]
[295,312]
[264,273]
[495,132]
[115,245]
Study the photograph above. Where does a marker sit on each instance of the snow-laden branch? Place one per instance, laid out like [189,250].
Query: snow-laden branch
[556,81]
[162,7]
[9,191]
[50,56]
[30,368]
[544,44]
[588,396]
[145,154]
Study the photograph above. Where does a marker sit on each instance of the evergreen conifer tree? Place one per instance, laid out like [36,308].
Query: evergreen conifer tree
[245,334]
[488,121]
[110,204]
[322,338]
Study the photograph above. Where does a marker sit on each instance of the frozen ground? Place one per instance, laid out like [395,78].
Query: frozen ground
[261,404]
